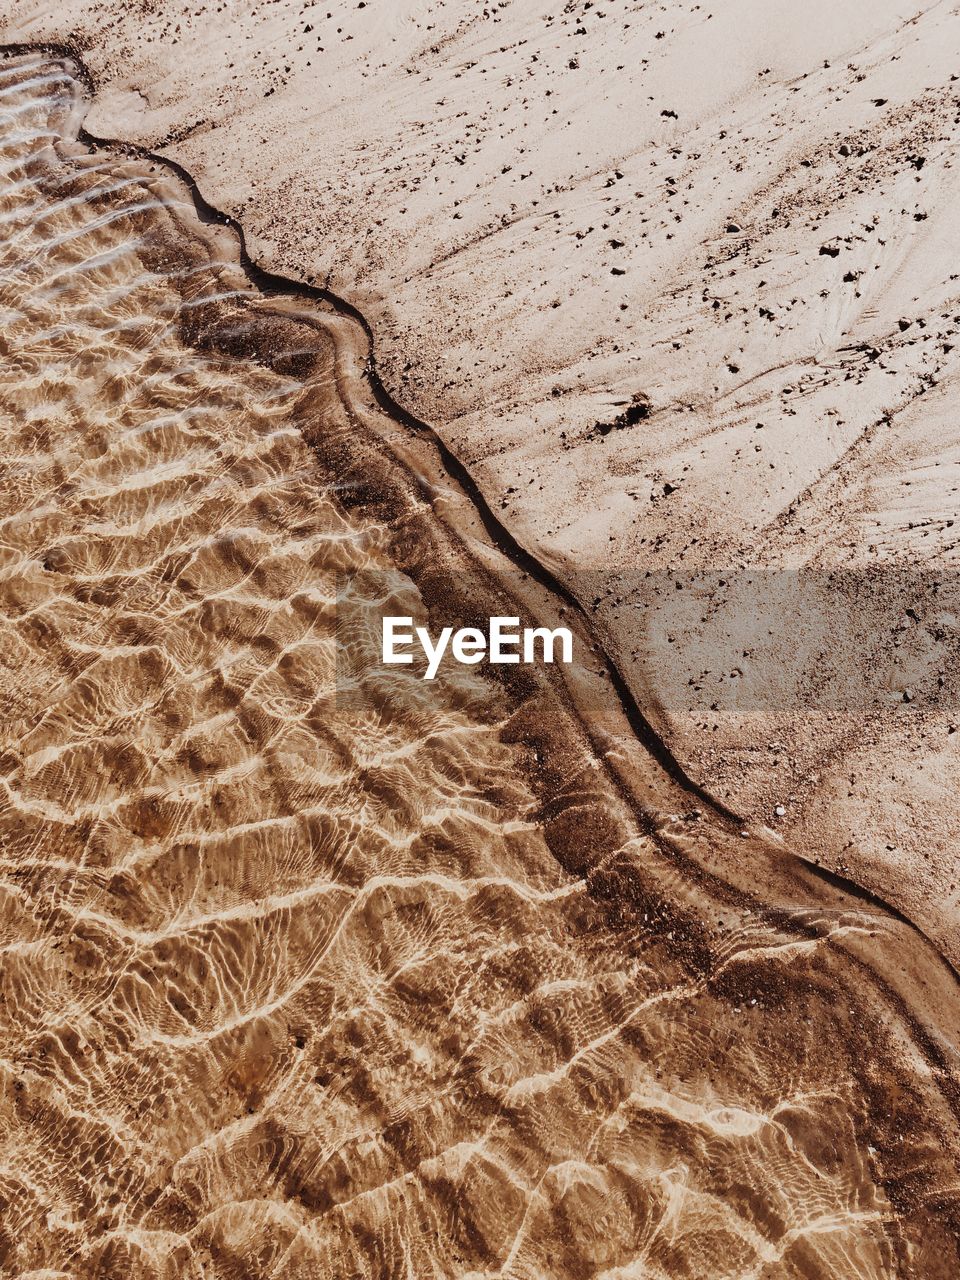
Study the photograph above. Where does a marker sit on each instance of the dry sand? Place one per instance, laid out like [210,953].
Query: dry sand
[605,253]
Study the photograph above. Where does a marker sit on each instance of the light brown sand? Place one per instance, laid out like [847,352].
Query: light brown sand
[587,1040]
[473,176]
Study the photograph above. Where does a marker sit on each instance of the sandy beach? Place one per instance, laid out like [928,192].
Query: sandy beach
[543,216]
[637,319]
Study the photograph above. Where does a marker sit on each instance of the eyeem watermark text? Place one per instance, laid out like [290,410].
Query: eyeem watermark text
[503,642]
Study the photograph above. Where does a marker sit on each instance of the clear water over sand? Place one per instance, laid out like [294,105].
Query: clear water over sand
[309,970]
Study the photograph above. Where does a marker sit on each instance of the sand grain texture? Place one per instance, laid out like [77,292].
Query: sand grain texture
[311,973]
[742,213]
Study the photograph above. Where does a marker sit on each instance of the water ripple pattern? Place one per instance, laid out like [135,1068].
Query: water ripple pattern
[307,970]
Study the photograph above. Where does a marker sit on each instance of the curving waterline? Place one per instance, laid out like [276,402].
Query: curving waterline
[272,283]
[811,941]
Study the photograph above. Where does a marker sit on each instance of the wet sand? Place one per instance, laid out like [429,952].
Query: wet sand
[311,971]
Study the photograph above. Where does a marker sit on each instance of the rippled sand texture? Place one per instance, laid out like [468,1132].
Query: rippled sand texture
[379,981]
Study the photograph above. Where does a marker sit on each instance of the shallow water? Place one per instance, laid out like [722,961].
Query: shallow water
[311,969]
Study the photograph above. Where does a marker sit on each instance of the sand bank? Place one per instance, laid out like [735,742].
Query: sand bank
[743,216]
